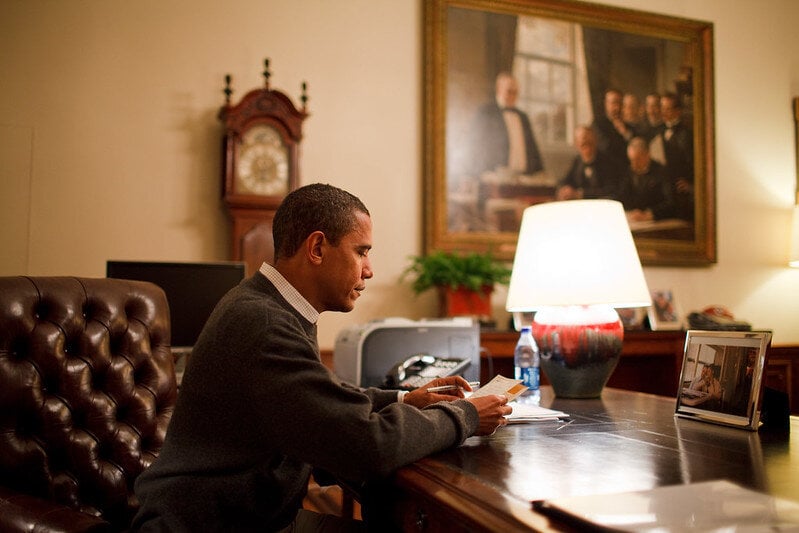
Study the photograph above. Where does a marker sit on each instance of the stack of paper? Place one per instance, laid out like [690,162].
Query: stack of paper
[522,412]
[525,412]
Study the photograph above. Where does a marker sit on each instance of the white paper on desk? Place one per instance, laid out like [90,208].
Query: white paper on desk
[524,413]
[512,388]
[707,506]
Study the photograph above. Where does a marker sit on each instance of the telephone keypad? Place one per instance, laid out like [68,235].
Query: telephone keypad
[418,377]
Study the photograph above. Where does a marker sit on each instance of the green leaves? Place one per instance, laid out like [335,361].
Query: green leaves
[473,271]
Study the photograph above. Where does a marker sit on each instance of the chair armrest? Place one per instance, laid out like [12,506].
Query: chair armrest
[20,512]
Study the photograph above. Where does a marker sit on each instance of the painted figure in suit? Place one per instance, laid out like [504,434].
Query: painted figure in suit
[612,132]
[503,135]
[652,124]
[592,173]
[678,148]
[646,193]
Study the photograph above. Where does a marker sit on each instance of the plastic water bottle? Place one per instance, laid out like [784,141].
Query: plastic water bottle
[527,364]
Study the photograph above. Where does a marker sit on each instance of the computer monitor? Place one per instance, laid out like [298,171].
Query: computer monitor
[192,290]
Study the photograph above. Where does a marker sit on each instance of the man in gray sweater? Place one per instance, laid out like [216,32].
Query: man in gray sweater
[258,410]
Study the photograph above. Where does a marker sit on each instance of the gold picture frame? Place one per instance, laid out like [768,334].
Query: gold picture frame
[721,380]
[466,43]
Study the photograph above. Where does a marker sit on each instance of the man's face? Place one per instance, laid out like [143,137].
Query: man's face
[507,91]
[669,110]
[653,108]
[613,104]
[347,267]
[630,108]
[639,159]
[585,141]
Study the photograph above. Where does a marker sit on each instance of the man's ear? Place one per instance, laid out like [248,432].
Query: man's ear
[314,247]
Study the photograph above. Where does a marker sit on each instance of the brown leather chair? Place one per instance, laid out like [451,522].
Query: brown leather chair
[87,389]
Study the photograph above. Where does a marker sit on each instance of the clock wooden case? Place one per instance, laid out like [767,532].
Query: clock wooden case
[261,156]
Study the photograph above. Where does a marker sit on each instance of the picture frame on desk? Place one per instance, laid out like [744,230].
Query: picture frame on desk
[721,380]
[665,312]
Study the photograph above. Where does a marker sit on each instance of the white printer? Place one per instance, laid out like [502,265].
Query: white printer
[366,353]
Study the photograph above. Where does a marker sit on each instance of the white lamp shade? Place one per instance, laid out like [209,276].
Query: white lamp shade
[576,252]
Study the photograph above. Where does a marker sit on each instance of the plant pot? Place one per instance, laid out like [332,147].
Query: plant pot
[465,302]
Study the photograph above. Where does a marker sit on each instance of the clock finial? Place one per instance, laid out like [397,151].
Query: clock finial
[228,91]
[266,72]
[304,95]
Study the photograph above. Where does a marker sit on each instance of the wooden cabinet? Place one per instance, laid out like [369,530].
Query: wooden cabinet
[650,362]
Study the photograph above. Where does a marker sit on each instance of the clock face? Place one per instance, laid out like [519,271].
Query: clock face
[262,166]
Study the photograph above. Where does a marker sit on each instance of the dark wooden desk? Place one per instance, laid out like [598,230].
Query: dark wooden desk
[624,441]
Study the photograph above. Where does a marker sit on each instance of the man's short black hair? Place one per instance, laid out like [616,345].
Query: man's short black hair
[314,207]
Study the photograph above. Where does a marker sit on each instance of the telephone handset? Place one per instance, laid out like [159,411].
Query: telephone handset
[418,369]
[716,317]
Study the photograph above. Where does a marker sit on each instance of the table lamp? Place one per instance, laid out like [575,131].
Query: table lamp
[575,263]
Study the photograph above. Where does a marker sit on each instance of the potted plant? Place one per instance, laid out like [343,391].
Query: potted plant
[464,281]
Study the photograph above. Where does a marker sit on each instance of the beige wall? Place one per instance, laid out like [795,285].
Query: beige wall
[109,143]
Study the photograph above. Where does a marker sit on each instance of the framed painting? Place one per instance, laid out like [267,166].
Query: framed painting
[722,376]
[530,101]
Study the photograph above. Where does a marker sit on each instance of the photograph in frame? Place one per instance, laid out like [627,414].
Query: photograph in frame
[632,318]
[722,376]
[563,56]
[665,312]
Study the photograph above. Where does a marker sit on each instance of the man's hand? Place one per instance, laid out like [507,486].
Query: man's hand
[421,398]
[684,186]
[492,410]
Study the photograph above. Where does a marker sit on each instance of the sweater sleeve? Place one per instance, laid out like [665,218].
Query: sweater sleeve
[380,397]
[353,434]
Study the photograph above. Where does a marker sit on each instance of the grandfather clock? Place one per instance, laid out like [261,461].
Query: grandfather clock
[260,165]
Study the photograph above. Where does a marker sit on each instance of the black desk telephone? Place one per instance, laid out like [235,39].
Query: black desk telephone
[418,369]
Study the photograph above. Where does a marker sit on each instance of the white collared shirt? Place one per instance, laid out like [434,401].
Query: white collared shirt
[292,296]
[517,156]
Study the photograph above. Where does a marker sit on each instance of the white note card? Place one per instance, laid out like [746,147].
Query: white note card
[512,388]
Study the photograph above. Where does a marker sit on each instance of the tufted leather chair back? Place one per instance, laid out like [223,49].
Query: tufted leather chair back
[87,389]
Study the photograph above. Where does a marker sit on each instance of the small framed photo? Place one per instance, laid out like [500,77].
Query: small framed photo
[632,317]
[521,319]
[721,377]
[665,312]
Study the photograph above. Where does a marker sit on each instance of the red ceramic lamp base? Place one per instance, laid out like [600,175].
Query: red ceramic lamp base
[580,347]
